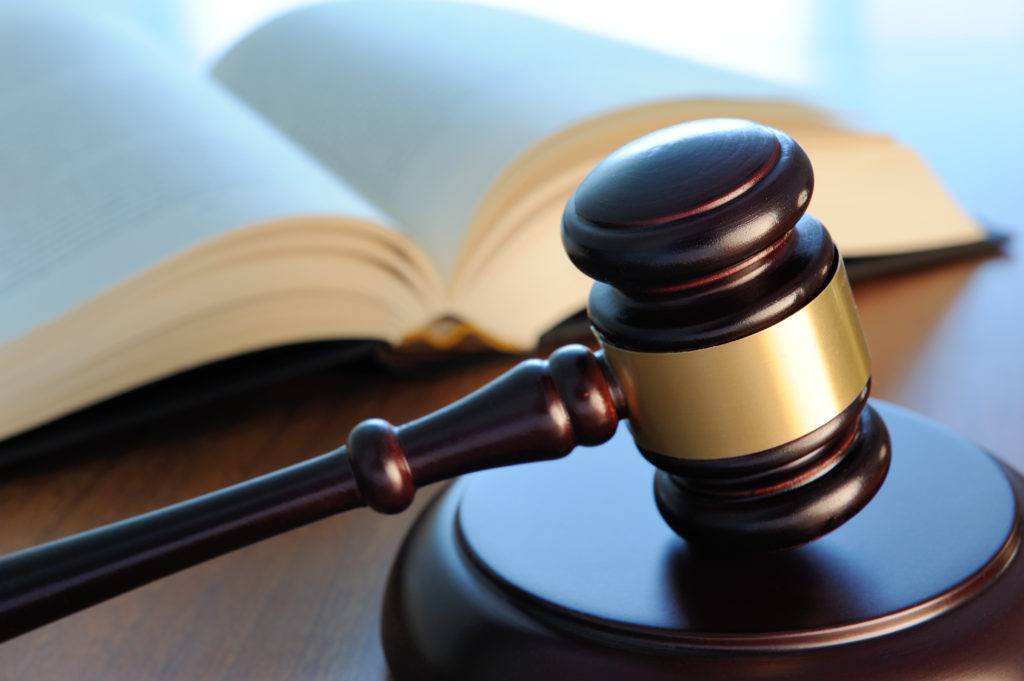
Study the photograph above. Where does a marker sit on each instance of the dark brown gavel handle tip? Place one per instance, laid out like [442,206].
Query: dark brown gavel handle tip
[45,583]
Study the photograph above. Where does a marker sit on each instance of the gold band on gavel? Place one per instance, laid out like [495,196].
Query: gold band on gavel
[753,393]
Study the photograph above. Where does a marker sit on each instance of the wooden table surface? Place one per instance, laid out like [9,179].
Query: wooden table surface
[946,342]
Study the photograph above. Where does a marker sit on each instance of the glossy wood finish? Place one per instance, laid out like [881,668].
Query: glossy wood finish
[785,496]
[541,409]
[864,578]
[696,235]
[584,583]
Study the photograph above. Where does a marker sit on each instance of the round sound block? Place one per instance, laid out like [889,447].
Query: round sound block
[565,570]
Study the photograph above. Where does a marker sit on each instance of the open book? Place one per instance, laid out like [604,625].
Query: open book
[366,170]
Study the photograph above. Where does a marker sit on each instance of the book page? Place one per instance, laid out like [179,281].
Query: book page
[422,105]
[112,159]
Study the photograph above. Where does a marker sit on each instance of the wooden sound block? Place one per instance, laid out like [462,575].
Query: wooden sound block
[565,570]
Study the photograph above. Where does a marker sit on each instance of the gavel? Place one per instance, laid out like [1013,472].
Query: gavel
[729,340]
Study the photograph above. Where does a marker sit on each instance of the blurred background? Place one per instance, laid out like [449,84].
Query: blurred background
[944,77]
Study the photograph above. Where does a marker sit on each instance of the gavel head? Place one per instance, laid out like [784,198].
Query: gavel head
[726,315]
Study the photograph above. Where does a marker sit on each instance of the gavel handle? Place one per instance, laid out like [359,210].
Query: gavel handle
[541,409]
